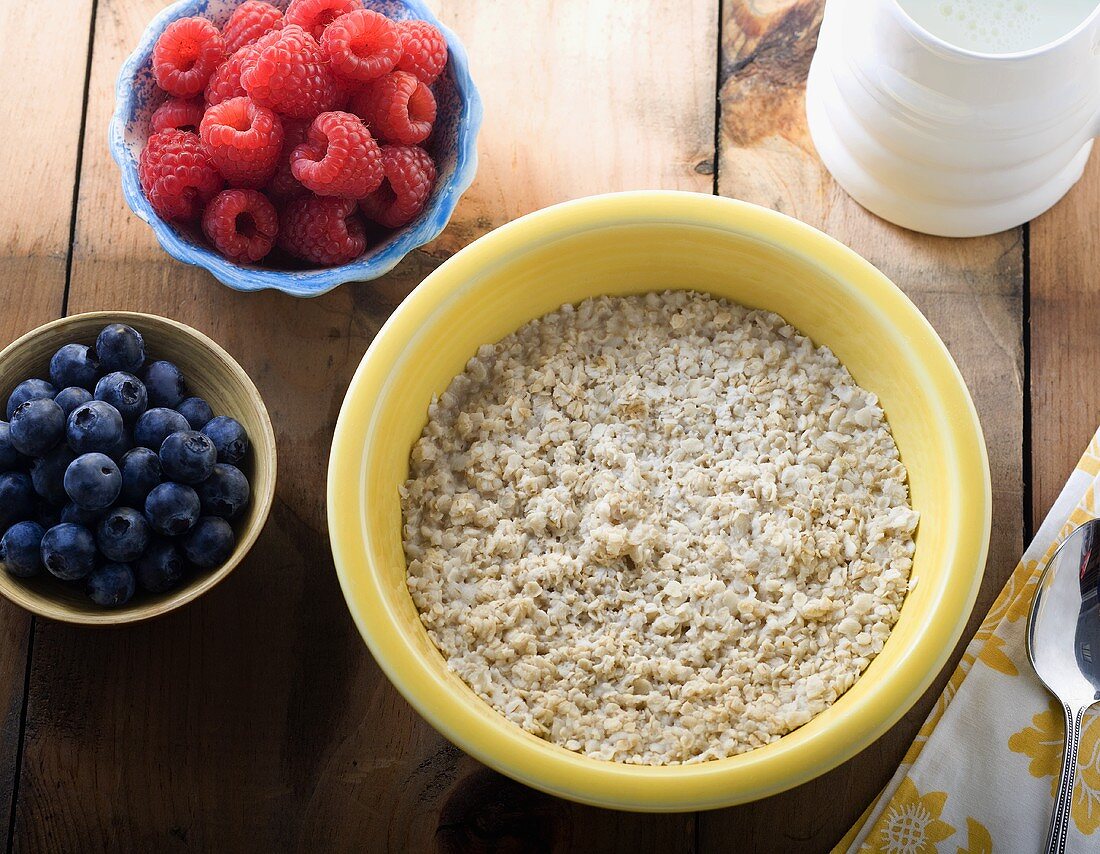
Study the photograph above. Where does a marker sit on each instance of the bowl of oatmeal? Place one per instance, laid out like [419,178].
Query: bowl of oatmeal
[659,501]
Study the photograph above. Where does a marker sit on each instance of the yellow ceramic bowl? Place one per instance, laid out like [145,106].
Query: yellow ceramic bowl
[631,243]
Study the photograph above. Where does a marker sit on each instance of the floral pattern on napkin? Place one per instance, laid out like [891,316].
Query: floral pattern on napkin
[1042,741]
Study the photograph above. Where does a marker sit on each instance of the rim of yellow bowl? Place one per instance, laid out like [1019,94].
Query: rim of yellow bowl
[797,757]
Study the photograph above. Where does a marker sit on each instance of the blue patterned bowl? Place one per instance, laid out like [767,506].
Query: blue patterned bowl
[453,145]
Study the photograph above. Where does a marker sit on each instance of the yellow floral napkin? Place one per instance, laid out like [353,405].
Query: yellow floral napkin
[982,773]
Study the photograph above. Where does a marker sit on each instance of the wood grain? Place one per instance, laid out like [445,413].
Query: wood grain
[1065,344]
[583,98]
[41,108]
[254,719]
[971,291]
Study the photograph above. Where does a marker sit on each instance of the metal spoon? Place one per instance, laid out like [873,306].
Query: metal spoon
[1063,644]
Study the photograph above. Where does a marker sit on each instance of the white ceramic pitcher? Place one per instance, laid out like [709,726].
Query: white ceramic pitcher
[944,140]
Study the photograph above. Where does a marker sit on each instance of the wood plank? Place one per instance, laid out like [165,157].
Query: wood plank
[971,291]
[1065,347]
[254,719]
[41,107]
[585,98]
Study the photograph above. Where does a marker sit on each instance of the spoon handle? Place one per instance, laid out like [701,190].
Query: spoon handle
[1059,820]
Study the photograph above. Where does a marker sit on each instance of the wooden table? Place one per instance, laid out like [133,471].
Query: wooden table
[255,719]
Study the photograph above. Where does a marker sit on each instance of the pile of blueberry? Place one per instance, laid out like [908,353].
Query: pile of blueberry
[111,476]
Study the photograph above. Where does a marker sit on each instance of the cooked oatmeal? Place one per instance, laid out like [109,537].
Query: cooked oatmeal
[657,529]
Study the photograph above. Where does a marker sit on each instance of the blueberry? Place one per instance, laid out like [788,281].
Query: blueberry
[140,473]
[122,535]
[124,392]
[156,425]
[72,397]
[172,509]
[93,481]
[47,515]
[125,443]
[229,437]
[36,426]
[160,568]
[225,492]
[197,412]
[120,348]
[111,585]
[48,474]
[10,459]
[16,498]
[74,364]
[68,551]
[165,384]
[95,426]
[29,390]
[209,543]
[80,516]
[21,549]
[187,457]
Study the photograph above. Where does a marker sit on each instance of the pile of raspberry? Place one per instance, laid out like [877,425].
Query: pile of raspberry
[293,129]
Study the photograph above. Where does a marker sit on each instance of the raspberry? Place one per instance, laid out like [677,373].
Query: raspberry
[410,175]
[424,50]
[361,45]
[177,175]
[283,184]
[243,140]
[290,75]
[397,108]
[338,158]
[324,231]
[344,92]
[248,22]
[177,114]
[225,82]
[185,56]
[241,224]
[314,15]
